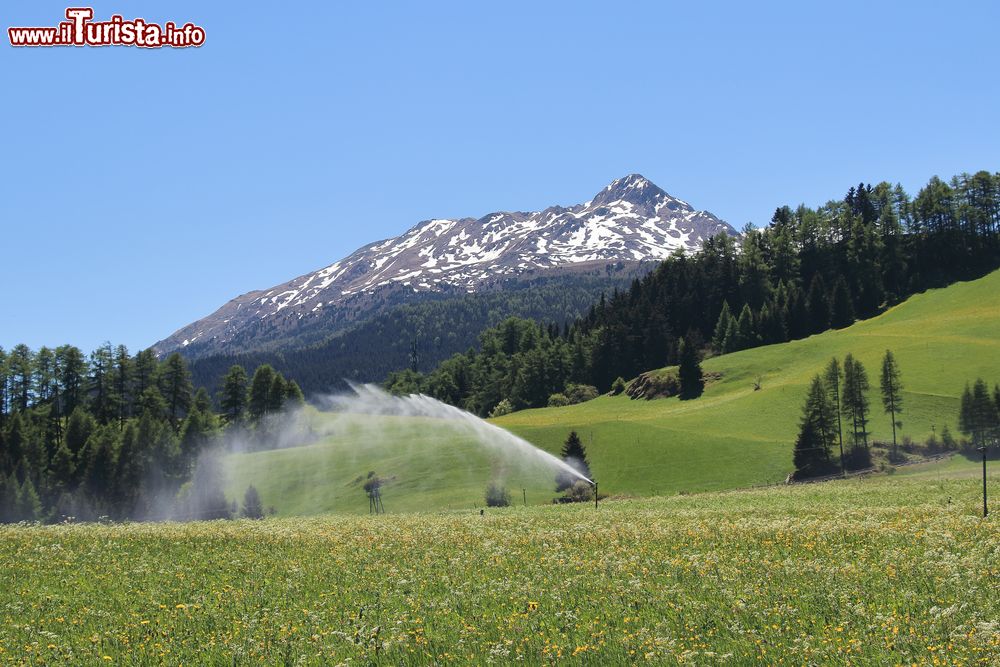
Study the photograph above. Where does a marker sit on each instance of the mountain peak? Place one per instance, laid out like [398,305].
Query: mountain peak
[631,220]
[635,189]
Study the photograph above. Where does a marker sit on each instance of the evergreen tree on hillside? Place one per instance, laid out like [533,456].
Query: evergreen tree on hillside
[206,499]
[978,415]
[819,305]
[121,384]
[78,430]
[104,401]
[259,402]
[722,328]
[234,395]
[855,400]
[574,454]
[842,310]
[276,394]
[71,373]
[293,394]
[202,402]
[4,395]
[832,379]
[176,388]
[20,365]
[152,403]
[816,433]
[798,315]
[143,372]
[252,507]
[745,334]
[689,373]
[29,506]
[892,391]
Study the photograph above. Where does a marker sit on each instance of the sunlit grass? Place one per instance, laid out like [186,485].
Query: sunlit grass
[879,571]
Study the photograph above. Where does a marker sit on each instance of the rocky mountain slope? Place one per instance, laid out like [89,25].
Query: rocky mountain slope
[629,221]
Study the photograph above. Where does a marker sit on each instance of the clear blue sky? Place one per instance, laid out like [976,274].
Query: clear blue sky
[140,190]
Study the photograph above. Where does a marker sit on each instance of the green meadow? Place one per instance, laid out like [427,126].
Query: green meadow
[884,570]
[732,436]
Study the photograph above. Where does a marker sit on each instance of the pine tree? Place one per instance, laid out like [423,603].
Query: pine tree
[833,379]
[276,394]
[103,404]
[260,391]
[144,368]
[78,429]
[152,403]
[63,468]
[293,394]
[20,370]
[29,507]
[842,311]
[99,468]
[855,399]
[746,336]
[575,455]
[175,386]
[731,342]
[207,500]
[8,499]
[128,472]
[252,507]
[71,375]
[798,315]
[689,373]
[979,417]
[234,394]
[122,383]
[202,402]
[892,391]
[819,305]
[721,328]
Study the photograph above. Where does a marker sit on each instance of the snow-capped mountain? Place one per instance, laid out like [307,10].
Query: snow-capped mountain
[631,220]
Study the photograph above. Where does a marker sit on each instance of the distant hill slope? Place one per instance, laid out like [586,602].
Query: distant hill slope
[731,437]
[630,220]
[424,333]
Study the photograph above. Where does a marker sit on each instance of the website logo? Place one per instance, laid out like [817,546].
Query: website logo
[81,30]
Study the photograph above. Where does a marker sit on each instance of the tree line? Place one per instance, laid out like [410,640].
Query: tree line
[419,335]
[119,435]
[837,413]
[808,271]
[837,405]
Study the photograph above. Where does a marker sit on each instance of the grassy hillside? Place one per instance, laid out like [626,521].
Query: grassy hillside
[731,437]
[428,464]
[816,574]
[735,436]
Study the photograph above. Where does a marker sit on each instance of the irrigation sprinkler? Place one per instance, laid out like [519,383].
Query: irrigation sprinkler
[595,494]
[985,508]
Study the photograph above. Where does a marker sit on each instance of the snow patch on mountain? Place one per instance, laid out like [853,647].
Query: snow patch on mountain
[629,220]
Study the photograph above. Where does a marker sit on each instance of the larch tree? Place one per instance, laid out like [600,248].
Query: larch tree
[833,378]
[855,400]
[575,455]
[816,433]
[892,391]
[689,373]
[233,399]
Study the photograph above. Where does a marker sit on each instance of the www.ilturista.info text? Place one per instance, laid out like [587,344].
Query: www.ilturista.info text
[80,30]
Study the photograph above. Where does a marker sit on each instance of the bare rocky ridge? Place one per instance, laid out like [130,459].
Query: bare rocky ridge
[631,220]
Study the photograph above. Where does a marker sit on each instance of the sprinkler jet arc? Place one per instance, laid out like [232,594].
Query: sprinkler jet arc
[370,399]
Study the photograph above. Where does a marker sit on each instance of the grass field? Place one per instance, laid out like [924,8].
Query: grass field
[734,436]
[429,464]
[731,437]
[880,571]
